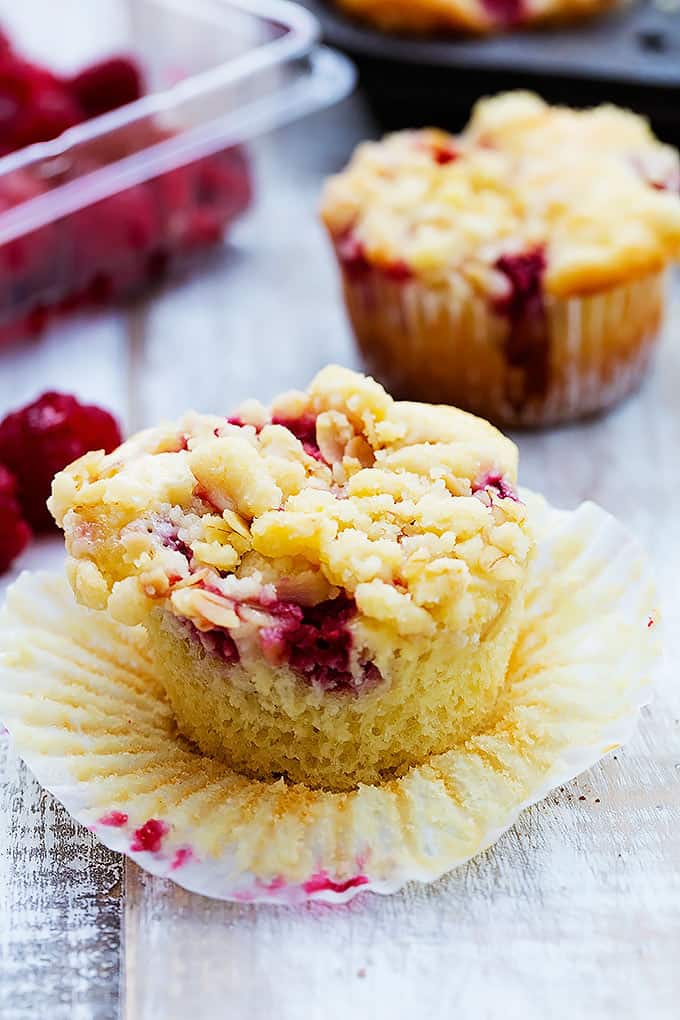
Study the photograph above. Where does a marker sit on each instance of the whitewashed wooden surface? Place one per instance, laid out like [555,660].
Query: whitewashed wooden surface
[574,913]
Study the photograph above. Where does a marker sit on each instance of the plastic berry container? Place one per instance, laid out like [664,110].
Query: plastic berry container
[120,200]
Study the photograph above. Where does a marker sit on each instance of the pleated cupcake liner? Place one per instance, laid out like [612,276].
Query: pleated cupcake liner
[447,345]
[87,713]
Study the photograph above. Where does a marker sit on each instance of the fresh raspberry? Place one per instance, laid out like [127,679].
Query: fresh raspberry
[174,200]
[223,184]
[198,202]
[14,532]
[42,438]
[113,242]
[34,104]
[28,260]
[118,246]
[107,85]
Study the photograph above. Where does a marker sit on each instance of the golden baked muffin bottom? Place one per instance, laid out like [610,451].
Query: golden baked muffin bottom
[586,354]
[255,717]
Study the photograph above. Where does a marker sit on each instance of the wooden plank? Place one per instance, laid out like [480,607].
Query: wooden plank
[60,896]
[60,890]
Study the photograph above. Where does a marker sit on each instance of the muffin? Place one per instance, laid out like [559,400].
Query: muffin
[332,586]
[438,16]
[516,270]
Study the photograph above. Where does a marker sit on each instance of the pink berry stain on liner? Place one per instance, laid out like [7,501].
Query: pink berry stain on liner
[322,882]
[149,837]
[527,348]
[319,882]
[182,856]
[114,819]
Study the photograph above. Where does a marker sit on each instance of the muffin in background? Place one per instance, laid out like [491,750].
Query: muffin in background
[333,585]
[479,16]
[517,269]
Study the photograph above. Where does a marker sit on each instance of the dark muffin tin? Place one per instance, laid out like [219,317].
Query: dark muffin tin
[630,56]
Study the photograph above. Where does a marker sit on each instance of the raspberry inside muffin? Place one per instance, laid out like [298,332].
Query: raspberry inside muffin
[332,585]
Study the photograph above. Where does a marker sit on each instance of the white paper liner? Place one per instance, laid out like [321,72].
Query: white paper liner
[80,699]
[447,346]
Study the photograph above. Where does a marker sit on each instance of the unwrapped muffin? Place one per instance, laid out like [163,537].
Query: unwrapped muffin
[516,270]
[438,16]
[332,586]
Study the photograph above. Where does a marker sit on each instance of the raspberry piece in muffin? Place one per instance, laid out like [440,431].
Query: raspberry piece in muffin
[332,585]
[527,346]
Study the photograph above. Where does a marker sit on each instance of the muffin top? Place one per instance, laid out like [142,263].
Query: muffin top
[473,15]
[591,193]
[407,510]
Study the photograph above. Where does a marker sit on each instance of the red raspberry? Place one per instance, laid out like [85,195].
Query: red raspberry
[113,242]
[224,184]
[107,85]
[34,104]
[42,438]
[26,258]
[199,201]
[14,532]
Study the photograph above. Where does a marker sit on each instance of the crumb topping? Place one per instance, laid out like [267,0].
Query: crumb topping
[593,190]
[405,514]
